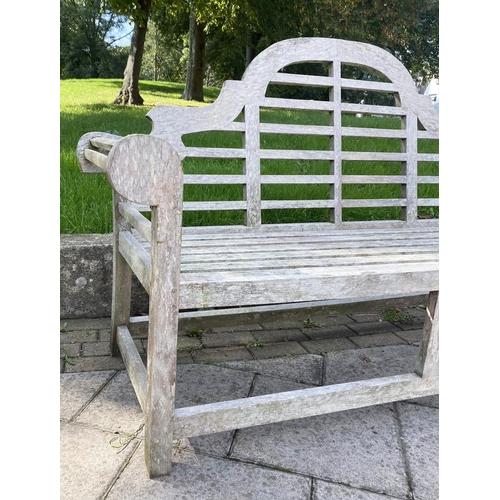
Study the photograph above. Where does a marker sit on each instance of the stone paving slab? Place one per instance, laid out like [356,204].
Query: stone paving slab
[89,464]
[359,448]
[93,363]
[332,491]
[232,329]
[96,349]
[203,384]
[360,364]
[275,336]
[115,408]
[373,327]
[77,390]
[349,366]
[184,343]
[306,368]
[411,336]
[420,437]
[227,339]
[212,479]
[341,447]
[329,332]
[217,355]
[327,345]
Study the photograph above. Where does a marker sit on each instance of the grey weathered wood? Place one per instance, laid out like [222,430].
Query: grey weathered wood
[162,335]
[138,259]
[140,223]
[215,205]
[104,142]
[261,410]
[253,270]
[96,158]
[85,143]
[428,359]
[133,363]
[336,194]
[122,277]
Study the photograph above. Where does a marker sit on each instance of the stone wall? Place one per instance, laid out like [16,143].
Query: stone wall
[86,266]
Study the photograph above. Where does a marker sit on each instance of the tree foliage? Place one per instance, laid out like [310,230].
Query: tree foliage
[86,39]
[218,38]
[407,29]
[165,55]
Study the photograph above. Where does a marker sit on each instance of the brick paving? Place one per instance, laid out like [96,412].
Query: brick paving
[85,342]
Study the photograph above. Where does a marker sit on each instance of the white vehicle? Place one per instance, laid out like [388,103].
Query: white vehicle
[432,90]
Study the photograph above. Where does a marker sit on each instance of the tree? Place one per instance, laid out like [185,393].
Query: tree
[138,12]
[407,29]
[165,54]
[86,38]
[193,90]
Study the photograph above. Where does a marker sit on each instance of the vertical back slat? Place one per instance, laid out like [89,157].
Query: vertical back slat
[409,168]
[251,165]
[336,142]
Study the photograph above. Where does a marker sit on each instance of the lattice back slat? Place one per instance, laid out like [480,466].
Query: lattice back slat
[314,143]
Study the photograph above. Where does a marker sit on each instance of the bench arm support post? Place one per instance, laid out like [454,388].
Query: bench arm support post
[147,170]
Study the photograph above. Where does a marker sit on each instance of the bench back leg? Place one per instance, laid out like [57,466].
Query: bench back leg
[428,358]
[122,277]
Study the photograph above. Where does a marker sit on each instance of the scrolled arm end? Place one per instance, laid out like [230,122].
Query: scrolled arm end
[145,169]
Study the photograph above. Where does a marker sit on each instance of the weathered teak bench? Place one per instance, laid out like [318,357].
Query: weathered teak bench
[228,269]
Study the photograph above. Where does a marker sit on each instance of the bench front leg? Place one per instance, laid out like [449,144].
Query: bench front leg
[147,170]
[162,340]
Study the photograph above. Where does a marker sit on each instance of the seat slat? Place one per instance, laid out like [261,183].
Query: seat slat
[316,231]
[258,238]
[330,238]
[304,261]
[265,254]
[264,286]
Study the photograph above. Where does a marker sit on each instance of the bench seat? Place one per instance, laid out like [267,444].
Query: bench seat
[228,268]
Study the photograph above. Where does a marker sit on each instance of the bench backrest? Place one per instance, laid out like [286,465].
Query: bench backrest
[352,145]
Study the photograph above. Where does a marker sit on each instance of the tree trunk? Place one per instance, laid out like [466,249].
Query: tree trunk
[129,93]
[196,65]
[251,48]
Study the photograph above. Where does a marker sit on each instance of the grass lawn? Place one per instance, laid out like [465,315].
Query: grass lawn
[86,199]
[85,107]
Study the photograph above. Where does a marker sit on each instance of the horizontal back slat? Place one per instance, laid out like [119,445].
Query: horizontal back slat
[371,109]
[346,141]
[298,104]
